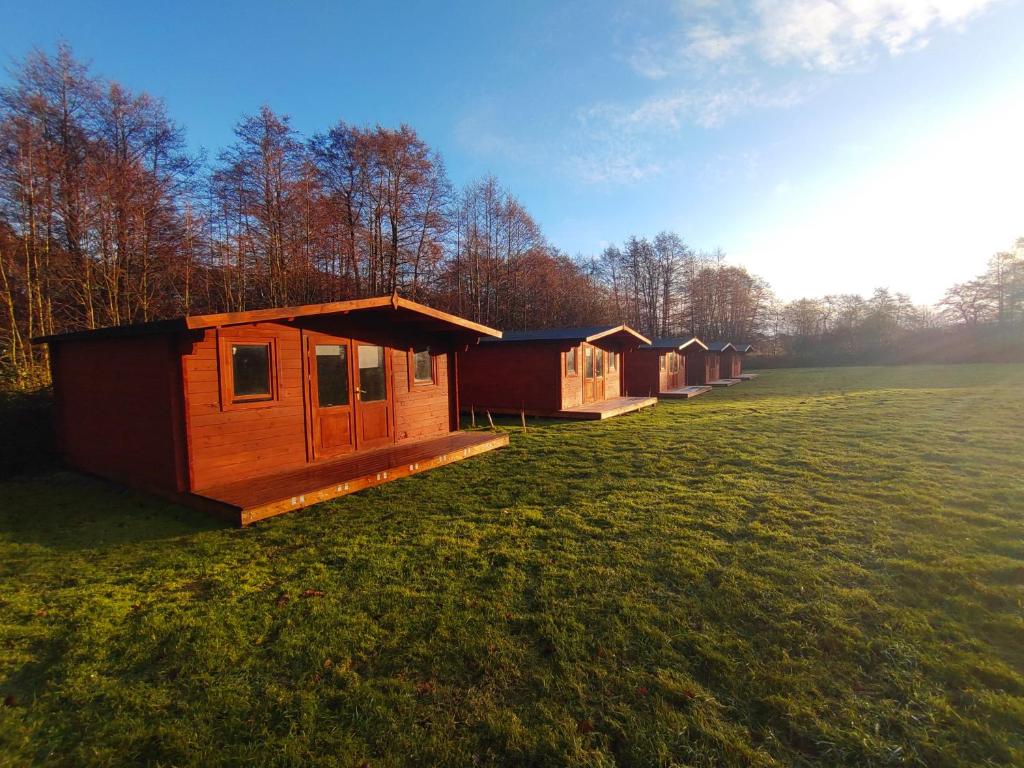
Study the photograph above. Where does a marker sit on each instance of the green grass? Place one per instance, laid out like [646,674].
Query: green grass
[821,567]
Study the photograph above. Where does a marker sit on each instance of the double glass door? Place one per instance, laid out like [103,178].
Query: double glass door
[350,395]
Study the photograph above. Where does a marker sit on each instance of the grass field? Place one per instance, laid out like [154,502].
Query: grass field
[820,567]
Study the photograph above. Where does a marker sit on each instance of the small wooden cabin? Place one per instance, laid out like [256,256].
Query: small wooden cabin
[723,355]
[742,350]
[659,369]
[729,362]
[701,366]
[572,373]
[251,414]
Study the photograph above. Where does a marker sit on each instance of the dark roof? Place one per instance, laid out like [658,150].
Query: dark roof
[720,346]
[408,309]
[743,348]
[581,333]
[674,342]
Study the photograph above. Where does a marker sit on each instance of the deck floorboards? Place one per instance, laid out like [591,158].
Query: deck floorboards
[605,409]
[685,393]
[724,382]
[262,497]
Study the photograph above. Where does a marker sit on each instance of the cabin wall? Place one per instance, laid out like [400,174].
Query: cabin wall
[117,409]
[235,443]
[729,366]
[699,367]
[423,411]
[511,376]
[572,386]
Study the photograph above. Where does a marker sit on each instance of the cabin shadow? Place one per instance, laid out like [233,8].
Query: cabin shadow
[66,511]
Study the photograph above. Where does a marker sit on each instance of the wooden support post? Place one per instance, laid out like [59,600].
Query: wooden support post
[490,420]
[522,417]
[472,416]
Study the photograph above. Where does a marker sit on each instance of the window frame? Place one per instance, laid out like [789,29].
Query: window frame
[613,362]
[574,351]
[415,383]
[662,362]
[226,340]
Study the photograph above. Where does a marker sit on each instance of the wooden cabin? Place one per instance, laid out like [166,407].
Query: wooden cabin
[701,367]
[571,373]
[742,350]
[658,369]
[729,362]
[722,354]
[251,414]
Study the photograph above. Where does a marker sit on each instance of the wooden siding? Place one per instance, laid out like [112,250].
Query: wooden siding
[700,366]
[255,440]
[511,376]
[643,379]
[118,411]
[421,411]
[260,440]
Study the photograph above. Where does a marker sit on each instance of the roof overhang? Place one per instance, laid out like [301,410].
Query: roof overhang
[622,332]
[404,309]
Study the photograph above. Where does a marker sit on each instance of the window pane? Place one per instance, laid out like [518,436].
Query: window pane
[250,369]
[599,362]
[372,380]
[611,360]
[661,362]
[588,362]
[422,370]
[570,361]
[331,375]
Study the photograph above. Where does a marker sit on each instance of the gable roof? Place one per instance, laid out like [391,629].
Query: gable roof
[578,334]
[720,346]
[744,348]
[407,310]
[674,342]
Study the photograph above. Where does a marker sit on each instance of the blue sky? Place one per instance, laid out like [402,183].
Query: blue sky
[827,145]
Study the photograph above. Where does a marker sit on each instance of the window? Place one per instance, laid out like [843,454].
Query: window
[613,361]
[331,375]
[373,385]
[588,362]
[247,369]
[661,362]
[250,372]
[421,366]
[673,361]
[599,363]
[570,362]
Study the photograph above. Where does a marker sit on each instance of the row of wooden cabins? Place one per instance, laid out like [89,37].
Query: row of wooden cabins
[251,414]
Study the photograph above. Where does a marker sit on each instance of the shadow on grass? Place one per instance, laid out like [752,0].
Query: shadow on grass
[66,511]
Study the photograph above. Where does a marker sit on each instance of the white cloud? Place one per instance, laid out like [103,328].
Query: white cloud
[826,35]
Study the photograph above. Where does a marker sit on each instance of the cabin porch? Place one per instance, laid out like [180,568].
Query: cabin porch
[747,376]
[685,393]
[605,409]
[246,501]
[723,382]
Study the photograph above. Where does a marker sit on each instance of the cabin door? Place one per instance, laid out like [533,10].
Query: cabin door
[373,401]
[330,395]
[673,370]
[593,374]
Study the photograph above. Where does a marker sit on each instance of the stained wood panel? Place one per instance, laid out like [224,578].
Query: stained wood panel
[249,441]
[118,409]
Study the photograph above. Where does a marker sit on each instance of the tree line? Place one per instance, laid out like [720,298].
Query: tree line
[981,319]
[107,218]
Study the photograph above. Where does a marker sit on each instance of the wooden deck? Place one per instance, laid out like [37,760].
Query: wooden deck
[606,408]
[747,376]
[684,393]
[723,382]
[251,500]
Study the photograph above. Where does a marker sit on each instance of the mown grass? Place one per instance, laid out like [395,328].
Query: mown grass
[821,567]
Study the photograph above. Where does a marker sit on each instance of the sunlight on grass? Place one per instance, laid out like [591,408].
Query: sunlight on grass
[817,567]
